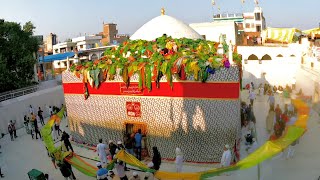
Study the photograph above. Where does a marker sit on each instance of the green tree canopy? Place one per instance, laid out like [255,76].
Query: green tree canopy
[17,49]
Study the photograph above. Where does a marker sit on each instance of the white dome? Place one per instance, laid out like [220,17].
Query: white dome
[165,25]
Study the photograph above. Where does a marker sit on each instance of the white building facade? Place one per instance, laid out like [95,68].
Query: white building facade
[212,30]
[87,42]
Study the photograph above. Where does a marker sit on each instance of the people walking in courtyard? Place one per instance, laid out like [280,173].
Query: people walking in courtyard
[135,176]
[31,125]
[179,160]
[129,143]
[102,173]
[26,123]
[57,128]
[65,171]
[65,138]
[252,97]
[112,148]
[47,177]
[31,109]
[10,130]
[1,175]
[270,120]
[102,152]
[13,124]
[70,169]
[226,156]
[291,149]
[271,100]
[36,129]
[1,164]
[156,159]
[138,144]
[120,166]
[40,116]
[53,160]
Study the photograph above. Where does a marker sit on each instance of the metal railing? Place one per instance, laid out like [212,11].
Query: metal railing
[17,93]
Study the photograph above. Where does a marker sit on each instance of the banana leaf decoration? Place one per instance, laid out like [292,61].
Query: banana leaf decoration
[112,72]
[195,69]
[95,75]
[125,77]
[182,73]
[155,71]
[101,76]
[148,78]
[90,77]
[85,76]
[140,80]
[86,92]
[204,74]
[158,79]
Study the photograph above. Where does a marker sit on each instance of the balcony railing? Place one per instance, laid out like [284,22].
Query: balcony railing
[17,93]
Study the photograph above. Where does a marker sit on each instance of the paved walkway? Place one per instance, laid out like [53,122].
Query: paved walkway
[24,154]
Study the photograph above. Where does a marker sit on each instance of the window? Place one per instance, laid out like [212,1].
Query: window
[81,46]
[257,16]
[203,36]
[56,51]
[252,25]
[65,64]
[247,25]
[71,48]
[258,28]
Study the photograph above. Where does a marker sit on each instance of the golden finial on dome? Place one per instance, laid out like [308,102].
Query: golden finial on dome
[162,11]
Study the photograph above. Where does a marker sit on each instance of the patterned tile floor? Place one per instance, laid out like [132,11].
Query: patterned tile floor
[24,154]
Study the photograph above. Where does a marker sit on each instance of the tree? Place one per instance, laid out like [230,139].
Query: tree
[17,49]
[29,27]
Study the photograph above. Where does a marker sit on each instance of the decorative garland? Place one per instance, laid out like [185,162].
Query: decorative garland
[153,59]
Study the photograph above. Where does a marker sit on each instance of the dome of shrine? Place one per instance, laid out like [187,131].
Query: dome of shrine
[165,24]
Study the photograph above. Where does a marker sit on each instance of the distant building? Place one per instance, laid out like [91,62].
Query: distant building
[87,42]
[64,47]
[110,35]
[247,31]
[51,40]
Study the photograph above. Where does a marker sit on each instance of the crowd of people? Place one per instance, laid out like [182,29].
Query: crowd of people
[132,145]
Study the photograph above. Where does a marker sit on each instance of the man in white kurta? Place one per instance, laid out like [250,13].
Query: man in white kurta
[179,160]
[226,156]
[102,152]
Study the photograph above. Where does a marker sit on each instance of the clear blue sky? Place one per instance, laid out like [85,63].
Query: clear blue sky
[69,18]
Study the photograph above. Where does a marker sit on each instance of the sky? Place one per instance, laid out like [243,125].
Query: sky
[72,18]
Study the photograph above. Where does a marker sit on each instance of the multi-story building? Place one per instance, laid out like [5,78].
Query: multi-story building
[248,30]
[51,40]
[64,47]
[87,42]
[111,36]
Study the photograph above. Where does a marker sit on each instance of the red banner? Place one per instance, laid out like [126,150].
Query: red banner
[133,109]
[219,90]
